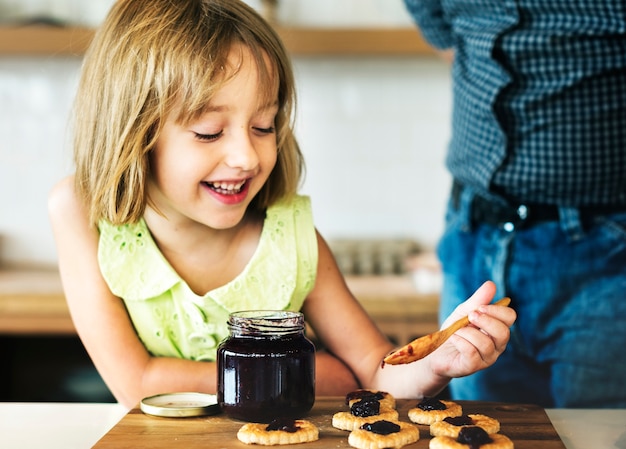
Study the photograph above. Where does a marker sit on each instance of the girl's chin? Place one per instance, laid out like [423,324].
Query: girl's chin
[223,220]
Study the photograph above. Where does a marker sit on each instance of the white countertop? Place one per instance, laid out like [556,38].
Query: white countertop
[80,426]
[55,425]
[590,429]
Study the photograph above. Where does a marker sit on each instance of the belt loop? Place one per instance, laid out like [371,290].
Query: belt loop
[571,223]
[462,202]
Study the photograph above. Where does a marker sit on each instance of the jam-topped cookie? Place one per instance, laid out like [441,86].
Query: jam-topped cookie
[472,437]
[431,410]
[451,426]
[383,434]
[279,431]
[385,398]
[362,412]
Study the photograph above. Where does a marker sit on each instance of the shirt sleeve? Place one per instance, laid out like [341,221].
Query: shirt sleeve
[431,21]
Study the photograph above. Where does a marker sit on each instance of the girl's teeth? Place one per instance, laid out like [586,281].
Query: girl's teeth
[223,187]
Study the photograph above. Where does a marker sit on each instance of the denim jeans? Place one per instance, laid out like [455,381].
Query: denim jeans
[567,282]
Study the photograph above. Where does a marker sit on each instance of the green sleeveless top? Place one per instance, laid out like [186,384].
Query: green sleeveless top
[170,319]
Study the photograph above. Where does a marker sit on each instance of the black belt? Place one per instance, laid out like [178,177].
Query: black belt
[486,211]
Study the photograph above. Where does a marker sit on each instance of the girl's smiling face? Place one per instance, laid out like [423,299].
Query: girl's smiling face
[208,171]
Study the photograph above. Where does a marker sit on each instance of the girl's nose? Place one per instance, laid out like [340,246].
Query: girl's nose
[241,153]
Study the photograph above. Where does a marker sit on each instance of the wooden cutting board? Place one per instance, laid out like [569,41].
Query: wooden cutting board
[527,425]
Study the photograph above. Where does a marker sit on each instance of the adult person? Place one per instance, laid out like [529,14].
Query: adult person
[538,204]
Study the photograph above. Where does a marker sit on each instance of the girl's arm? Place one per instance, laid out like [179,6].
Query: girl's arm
[348,332]
[100,317]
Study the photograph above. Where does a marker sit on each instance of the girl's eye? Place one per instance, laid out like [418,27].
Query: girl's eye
[270,130]
[208,137]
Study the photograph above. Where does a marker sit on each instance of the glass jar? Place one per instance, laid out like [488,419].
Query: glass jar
[266,367]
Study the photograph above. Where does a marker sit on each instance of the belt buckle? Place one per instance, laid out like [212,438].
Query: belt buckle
[522,213]
[507,217]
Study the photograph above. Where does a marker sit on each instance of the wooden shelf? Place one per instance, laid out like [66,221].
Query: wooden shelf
[398,309]
[73,41]
[354,41]
[32,303]
[44,40]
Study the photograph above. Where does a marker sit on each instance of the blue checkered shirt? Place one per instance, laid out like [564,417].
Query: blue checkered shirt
[539,110]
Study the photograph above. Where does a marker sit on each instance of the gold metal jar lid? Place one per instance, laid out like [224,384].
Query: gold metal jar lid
[180,405]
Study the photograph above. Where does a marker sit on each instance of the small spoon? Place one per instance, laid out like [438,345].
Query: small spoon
[421,347]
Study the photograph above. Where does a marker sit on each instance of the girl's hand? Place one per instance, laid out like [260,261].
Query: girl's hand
[478,345]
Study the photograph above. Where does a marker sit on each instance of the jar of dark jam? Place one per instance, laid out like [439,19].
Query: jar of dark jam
[266,367]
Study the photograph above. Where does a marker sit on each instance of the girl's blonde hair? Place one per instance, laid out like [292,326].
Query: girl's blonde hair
[151,58]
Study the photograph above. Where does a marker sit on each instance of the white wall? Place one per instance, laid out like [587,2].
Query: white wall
[373,131]
[35,98]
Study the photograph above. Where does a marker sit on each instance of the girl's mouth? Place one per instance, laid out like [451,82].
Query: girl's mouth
[226,188]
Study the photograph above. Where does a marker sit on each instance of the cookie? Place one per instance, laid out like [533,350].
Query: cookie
[362,412]
[385,398]
[383,434]
[450,427]
[431,410]
[472,437]
[279,431]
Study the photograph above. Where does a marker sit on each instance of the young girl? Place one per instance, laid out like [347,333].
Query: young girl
[184,208]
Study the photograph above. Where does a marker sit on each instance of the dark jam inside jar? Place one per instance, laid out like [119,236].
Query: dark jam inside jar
[266,368]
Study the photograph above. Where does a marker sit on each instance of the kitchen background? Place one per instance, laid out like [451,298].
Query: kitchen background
[373,128]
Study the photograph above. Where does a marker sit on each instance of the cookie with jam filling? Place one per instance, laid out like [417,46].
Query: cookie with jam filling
[362,412]
[278,432]
[450,427]
[431,410]
[383,434]
[385,398]
[472,437]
